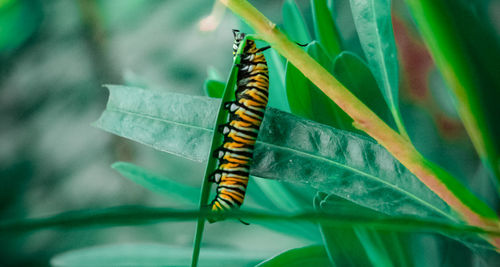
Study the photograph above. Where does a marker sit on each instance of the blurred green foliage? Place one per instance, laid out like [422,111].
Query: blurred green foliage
[19,20]
[55,55]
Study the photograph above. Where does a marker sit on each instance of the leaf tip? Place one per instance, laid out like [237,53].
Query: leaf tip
[118,165]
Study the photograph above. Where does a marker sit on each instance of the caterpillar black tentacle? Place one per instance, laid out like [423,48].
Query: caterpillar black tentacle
[263,49]
[303,45]
[240,133]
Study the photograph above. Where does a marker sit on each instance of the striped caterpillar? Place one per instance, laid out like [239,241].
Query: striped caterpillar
[240,134]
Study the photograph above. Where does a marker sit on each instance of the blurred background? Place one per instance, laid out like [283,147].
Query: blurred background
[56,55]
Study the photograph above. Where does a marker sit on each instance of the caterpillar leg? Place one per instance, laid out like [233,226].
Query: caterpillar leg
[215,214]
[243,222]
[219,153]
[215,177]
[228,104]
[223,128]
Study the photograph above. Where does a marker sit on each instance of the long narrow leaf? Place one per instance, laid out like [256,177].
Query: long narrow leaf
[277,93]
[294,23]
[314,255]
[138,215]
[372,19]
[341,163]
[157,183]
[369,246]
[214,88]
[325,28]
[342,245]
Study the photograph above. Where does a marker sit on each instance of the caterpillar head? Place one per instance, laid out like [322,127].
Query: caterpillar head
[238,37]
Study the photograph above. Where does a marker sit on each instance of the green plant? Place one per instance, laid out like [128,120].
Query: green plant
[367,185]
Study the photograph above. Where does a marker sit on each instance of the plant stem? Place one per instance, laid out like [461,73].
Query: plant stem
[472,210]
[211,165]
[217,139]
[141,215]
[450,56]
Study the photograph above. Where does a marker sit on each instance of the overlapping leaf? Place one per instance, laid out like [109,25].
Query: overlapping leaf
[288,148]
[158,183]
[294,23]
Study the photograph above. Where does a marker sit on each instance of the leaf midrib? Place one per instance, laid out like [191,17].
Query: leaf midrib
[152,117]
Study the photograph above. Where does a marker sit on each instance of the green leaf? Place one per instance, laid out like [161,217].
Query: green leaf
[213,74]
[307,101]
[354,74]
[158,183]
[288,148]
[325,28]
[168,123]
[294,23]
[373,23]
[314,255]
[18,21]
[324,109]
[214,88]
[151,254]
[278,195]
[359,246]
[341,163]
[342,245]
[374,246]
[298,92]
[138,215]
[277,92]
[271,196]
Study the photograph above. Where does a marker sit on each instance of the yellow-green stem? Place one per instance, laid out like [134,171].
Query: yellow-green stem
[366,120]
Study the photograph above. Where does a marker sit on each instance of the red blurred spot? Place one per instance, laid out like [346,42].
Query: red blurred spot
[415,60]
[416,65]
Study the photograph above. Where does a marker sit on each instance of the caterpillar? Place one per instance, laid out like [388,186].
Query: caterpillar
[240,133]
